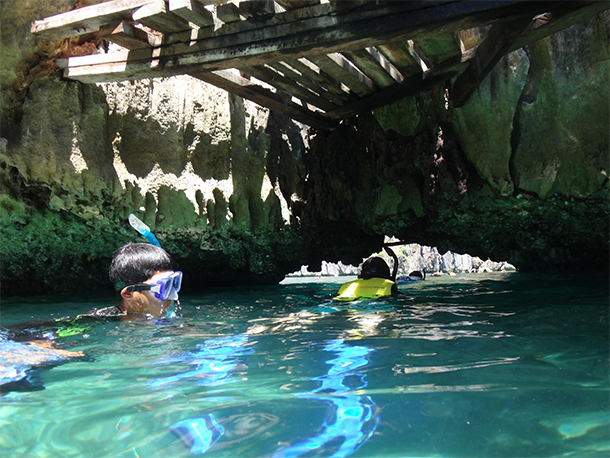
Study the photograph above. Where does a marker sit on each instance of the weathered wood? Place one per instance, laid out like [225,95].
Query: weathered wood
[401,58]
[156,16]
[438,48]
[225,79]
[256,8]
[192,11]
[410,86]
[494,46]
[314,73]
[293,4]
[253,48]
[126,35]
[227,13]
[84,20]
[275,79]
[304,81]
[370,66]
[562,16]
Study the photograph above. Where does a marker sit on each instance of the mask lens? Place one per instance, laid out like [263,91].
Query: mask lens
[166,286]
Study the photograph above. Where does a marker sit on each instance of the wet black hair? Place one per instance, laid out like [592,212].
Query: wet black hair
[137,262]
[375,267]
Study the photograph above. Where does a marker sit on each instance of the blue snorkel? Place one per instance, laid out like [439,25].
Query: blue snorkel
[143,229]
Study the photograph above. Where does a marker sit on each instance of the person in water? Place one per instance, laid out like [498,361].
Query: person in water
[374,281]
[144,280]
[146,286]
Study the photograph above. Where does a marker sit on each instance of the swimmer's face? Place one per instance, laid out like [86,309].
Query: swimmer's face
[145,302]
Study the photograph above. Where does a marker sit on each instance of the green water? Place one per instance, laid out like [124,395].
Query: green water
[488,365]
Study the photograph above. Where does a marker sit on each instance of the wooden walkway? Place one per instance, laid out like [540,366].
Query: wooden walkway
[316,61]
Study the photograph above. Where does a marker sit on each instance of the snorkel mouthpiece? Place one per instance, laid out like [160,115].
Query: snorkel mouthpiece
[143,229]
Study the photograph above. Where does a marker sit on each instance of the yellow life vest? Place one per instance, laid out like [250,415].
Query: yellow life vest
[365,289]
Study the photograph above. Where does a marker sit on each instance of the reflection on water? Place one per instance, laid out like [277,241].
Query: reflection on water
[477,366]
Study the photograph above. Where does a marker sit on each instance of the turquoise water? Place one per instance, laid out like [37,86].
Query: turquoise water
[488,365]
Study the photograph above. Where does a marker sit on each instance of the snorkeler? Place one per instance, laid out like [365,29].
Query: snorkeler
[374,281]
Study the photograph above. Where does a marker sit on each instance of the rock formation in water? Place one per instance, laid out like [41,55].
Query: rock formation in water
[238,194]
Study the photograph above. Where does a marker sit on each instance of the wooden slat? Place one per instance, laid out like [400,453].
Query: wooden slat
[192,11]
[349,75]
[304,81]
[84,20]
[401,58]
[293,4]
[438,48]
[126,35]
[370,66]
[273,78]
[410,86]
[156,16]
[227,13]
[494,46]
[256,8]
[226,79]
[314,73]
[255,48]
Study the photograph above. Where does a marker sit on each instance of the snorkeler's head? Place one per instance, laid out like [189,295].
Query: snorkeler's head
[137,262]
[375,267]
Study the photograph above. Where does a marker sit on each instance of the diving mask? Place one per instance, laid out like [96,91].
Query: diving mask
[163,288]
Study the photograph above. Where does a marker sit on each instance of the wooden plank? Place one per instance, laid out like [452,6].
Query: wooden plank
[192,11]
[438,48]
[563,16]
[256,8]
[401,58]
[273,78]
[304,81]
[156,16]
[84,20]
[253,48]
[357,80]
[126,35]
[494,46]
[227,13]
[294,4]
[370,66]
[410,86]
[229,81]
[314,73]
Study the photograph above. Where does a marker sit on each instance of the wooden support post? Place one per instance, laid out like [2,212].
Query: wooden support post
[496,44]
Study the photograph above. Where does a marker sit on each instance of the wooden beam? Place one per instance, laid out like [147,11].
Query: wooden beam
[228,13]
[126,35]
[494,46]
[84,20]
[401,58]
[229,81]
[281,82]
[314,73]
[293,4]
[256,8]
[156,16]
[303,81]
[255,48]
[370,66]
[192,11]
[410,86]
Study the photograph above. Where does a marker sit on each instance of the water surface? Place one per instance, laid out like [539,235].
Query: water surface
[487,365]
